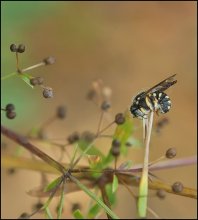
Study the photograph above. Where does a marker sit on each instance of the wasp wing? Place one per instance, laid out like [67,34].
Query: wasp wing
[163,85]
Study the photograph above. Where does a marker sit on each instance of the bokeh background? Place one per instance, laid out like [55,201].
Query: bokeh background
[130,46]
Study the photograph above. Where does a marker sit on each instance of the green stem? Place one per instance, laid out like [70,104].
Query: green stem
[9,75]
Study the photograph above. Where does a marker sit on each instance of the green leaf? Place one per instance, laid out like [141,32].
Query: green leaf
[61,202]
[110,194]
[94,210]
[26,78]
[135,143]
[93,196]
[77,214]
[92,151]
[123,132]
[114,184]
[52,184]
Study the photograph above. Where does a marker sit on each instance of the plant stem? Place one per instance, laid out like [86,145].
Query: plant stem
[9,75]
[143,188]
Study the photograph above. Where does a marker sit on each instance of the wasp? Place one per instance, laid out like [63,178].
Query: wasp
[154,99]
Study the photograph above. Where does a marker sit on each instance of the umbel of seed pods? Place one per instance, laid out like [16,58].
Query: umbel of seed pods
[47,91]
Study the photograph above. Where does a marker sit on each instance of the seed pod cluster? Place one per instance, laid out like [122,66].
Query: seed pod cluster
[19,49]
[115,149]
[10,113]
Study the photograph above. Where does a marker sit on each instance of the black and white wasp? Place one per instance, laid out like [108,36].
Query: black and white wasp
[154,99]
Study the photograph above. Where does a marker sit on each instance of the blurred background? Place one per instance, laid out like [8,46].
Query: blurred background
[131,46]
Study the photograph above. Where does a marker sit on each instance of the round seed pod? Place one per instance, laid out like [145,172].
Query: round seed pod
[34,81]
[49,60]
[105,105]
[177,187]
[24,216]
[170,153]
[61,112]
[115,149]
[47,92]
[88,136]
[119,118]
[161,194]
[10,114]
[40,80]
[10,107]
[73,138]
[13,47]
[37,206]
[21,48]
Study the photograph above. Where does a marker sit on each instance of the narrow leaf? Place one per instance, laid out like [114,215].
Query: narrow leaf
[52,184]
[115,183]
[94,210]
[77,214]
[93,196]
[26,78]
[61,202]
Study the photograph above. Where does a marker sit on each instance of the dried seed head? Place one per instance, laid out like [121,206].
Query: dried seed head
[87,136]
[73,138]
[11,171]
[47,92]
[105,105]
[116,143]
[10,114]
[13,47]
[37,206]
[119,118]
[21,48]
[24,216]
[115,149]
[10,107]
[40,80]
[91,94]
[161,193]
[49,60]
[61,112]
[170,153]
[177,187]
[34,81]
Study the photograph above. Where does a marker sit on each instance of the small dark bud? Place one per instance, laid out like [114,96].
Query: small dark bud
[61,112]
[34,81]
[119,118]
[88,136]
[73,138]
[170,153]
[91,94]
[49,60]
[115,150]
[177,187]
[47,92]
[11,171]
[37,206]
[105,106]
[13,47]
[24,216]
[40,80]
[21,48]
[116,143]
[161,194]
[75,206]
[10,107]
[10,114]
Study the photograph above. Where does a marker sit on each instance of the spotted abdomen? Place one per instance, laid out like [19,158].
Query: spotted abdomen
[162,102]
